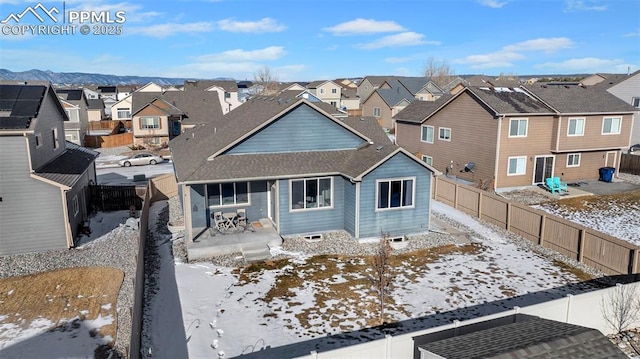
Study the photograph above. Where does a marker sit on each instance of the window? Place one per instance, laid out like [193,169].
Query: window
[573,160]
[334,90]
[576,127]
[376,112]
[311,193]
[333,103]
[395,193]
[149,122]
[428,160]
[54,136]
[228,194]
[227,95]
[635,102]
[76,206]
[444,134]
[38,140]
[517,166]
[611,125]
[68,115]
[321,90]
[518,127]
[427,134]
[124,113]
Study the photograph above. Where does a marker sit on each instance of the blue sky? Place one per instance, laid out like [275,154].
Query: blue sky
[311,40]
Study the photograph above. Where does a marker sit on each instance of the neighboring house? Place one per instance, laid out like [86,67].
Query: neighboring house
[626,88]
[350,99]
[43,178]
[287,160]
[124,91]
[518,136]
[243,90]
[422,88]
[384,103]
[368,85]
[227,91]
[76,126]
[91,94]
[121,110]
[518,337]
[95,110]
[294,86]
[327,91]
[172,112]
[108,92]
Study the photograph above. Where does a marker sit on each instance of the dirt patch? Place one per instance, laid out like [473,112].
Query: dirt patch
[62,295]
[590,203]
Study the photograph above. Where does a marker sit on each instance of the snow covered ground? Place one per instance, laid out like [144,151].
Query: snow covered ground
[116,175]
[319,303]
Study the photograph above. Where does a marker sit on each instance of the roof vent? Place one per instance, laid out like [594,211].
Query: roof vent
[379,148]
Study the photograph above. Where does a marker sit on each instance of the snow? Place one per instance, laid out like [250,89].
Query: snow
[102,224]
[115,175]
[222,314]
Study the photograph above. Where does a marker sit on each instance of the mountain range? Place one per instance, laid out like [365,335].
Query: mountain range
[77,78]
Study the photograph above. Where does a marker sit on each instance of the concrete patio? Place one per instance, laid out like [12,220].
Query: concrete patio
[589,188]
[254,245]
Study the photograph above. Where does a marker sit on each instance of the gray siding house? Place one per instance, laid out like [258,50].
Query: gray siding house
[43,178]
[288,160]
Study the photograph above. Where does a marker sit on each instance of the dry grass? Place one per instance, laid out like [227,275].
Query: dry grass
[62,295]
[564,267]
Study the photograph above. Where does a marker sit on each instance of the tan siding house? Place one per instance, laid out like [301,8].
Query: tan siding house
[517,137]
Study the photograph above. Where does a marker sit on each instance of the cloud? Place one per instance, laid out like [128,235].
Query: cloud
[582,5]
[492,3]
[267,54]
[363,26]
[264,25]
[633,34]
[397,60]
[170,29]
[510,53]
[588,65]
[408,38]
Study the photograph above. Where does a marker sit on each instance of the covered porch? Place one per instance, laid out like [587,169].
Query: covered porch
[253,242]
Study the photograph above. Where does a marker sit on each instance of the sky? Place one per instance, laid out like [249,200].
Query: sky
[315,40]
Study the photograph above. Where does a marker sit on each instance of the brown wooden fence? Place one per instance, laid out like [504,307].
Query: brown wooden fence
[108,125]
[123,139]
[163,187]
[115,198]
[355,112]
[630,164]
[598,250]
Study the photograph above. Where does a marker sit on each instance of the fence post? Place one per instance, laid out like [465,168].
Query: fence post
[508,219]
[634,261]
[387,346]
[581,240]
[569,299]
[543,223]
[480,195]
[455,196]
[435,187]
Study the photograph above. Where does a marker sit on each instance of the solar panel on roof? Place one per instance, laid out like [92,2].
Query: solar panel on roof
[74,95]
[9,92]
[14,123]
[7,105]
[31,92]
[25,108]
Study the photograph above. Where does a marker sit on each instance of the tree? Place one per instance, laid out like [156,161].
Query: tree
[621,307]
[382,276]
[267,79]
[438,71]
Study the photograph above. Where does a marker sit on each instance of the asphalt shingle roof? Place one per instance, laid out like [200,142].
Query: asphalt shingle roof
[510,100]
[535,338]
[579,99]
[191,149]
[418,111]
[395,94]
[198,106]
[67,168]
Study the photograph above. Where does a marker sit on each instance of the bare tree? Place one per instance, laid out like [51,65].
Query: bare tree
[621,307]
[439,71]
[382,276]
[267,79]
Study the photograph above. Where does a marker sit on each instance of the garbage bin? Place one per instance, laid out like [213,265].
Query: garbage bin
[606,174]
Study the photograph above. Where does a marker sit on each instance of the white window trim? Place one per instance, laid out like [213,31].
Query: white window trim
[144,127]
[445,139]
[635,99]
[574,154]
[525,165]
[429,158]
[584,124]
[413,194]
[379,112]
[433,133]
[55,138]
[76,206]
[291,209]
[526,127]
[611,133]
[236,204]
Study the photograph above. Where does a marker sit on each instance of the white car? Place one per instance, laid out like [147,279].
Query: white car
[141,159]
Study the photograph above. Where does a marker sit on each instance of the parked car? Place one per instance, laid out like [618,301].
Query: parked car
[140,159]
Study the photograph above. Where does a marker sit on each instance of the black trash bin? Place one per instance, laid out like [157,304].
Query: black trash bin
[606,174]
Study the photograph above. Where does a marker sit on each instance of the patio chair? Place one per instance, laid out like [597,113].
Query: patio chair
[221,223]
[551,187]
[242,217]
[561,186]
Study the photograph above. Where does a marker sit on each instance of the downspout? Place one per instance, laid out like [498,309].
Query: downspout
[558,133]
[67,225]
[357,209]
[497,161]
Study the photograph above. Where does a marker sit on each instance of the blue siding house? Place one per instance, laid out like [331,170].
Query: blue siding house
[289,160]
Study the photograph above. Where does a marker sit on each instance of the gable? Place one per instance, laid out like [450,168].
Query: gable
[151,111]
[303,129]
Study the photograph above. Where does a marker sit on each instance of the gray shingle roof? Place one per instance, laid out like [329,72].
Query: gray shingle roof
[67,168]
[202,85]
[413,84]
[395,94]
[535,338]
[95,104]
[578,99]
[418,111]
[377,80]
[198,106]
[510,100]
[191,149]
